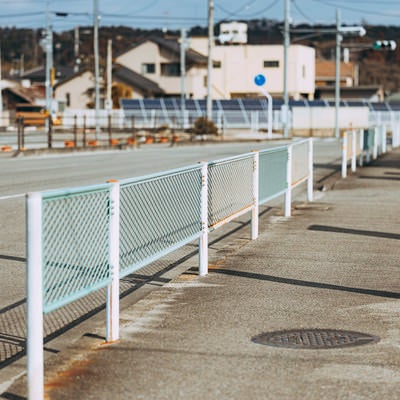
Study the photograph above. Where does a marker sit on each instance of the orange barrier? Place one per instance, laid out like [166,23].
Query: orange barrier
[69,143]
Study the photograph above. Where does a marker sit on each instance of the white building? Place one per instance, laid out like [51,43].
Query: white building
[234,68]
[240,64]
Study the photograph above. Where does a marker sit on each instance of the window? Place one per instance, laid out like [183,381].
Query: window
[271,64]
[68,99]
[304,71]
[170,69]
[148,68]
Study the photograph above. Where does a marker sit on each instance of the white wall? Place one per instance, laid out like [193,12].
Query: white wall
[324,117]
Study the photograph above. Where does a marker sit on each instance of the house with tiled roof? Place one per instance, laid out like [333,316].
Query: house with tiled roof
[158,59]
[325,81]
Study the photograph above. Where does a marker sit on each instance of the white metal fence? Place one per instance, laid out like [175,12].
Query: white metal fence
[366,144]
[83,239]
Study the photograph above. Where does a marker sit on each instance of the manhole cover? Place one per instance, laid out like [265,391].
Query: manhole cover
[314,339]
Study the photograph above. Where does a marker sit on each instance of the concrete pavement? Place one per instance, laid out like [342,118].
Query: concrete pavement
[334,265]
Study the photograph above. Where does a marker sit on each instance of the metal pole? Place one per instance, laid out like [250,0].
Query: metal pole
[255,210]
[337,78]
[49,65]
[183,73]
[34,283]
[112,333]
[76,49]
[344,154]
[96,64]
[288,194]
[310,180]
[109,75]
[285,116]
[203,241]
[210,63]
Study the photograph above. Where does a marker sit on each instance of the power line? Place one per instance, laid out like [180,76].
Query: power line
[256,14]
[300,11]
[359,10]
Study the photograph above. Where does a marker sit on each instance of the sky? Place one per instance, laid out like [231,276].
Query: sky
[177,14]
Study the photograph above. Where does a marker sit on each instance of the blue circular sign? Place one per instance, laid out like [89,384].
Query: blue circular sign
[260,79]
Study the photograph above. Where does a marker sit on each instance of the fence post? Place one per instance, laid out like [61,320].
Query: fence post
[361,159]
[75,130]
[109,130]
[310,180]
[376,144]
[84,130]
[49,132]
[384,135]
[112,331]
[34,287]
[203,242]
[19,133]
[255,210]
[353,150]
[288,195]
[344,154]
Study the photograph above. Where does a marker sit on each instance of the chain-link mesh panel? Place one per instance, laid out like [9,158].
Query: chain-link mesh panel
[300,161]
[272,173]
[230,187]
[75,245]
[157,215]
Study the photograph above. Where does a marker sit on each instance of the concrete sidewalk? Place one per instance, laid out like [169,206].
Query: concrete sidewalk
[334,265]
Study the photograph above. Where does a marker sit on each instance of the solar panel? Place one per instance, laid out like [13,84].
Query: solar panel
[395,106]
[153,104]
[379,106]
[230,105]
[317,103]
[130,104]
[297,103]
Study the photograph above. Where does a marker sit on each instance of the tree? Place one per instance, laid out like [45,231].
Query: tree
[120,91]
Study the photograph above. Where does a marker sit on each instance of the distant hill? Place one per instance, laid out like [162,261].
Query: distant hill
[21,48]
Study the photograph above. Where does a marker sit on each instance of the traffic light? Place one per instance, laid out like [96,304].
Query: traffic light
[384,45]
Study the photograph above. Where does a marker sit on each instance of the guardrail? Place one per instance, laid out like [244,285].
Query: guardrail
[83,239]
[365,144]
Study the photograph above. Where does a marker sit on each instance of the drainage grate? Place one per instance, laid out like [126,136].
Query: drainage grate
[314,339]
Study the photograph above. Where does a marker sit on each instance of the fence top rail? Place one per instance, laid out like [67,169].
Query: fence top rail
[300,141]
[233,158]
[159,175]
[55,193]
[273,149]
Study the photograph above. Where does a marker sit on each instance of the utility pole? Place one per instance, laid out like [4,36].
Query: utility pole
[210,61]
[96,64]
[76,49]
[108,104]
[49,65]
[339,39]
[183,73]
[286,44]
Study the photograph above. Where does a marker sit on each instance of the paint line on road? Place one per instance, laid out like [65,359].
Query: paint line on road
[12,196]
